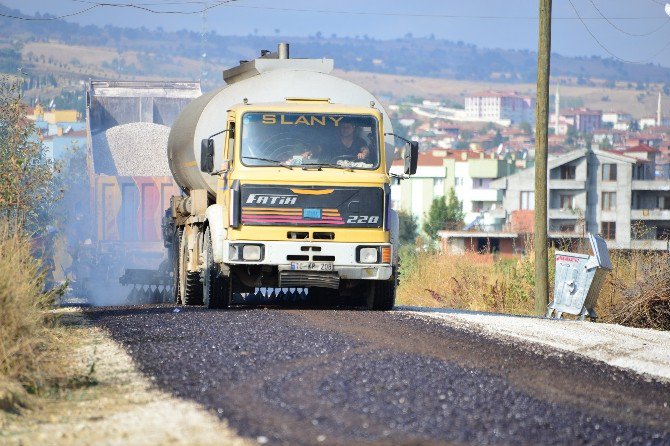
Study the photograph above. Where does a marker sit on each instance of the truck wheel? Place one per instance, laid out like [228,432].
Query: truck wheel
[176,256]
[382,295]
[230,288]
[214,286]
[190,286]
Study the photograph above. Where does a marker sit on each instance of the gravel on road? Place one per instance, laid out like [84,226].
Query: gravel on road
[354,377]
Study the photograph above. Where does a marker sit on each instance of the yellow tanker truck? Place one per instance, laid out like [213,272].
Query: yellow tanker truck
[285,181]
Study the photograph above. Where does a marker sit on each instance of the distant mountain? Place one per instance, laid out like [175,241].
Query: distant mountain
[406,56]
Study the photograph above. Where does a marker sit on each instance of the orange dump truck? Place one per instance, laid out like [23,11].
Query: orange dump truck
[127,125]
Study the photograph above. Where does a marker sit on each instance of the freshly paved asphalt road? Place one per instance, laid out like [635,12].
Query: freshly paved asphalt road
[355,377]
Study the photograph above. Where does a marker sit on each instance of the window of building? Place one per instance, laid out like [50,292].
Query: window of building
[567,227]
[566,201]
[609,172]
[664,202]
[477,206]
[459,181]
[609,201]
[568,172]
[608,230]
[481,183]
[638,172]
[527,200]
[438,187]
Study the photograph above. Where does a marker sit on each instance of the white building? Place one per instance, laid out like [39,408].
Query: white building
[650,121]
[619,120]
[497,106]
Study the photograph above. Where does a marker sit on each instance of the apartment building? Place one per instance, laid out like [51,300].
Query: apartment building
[469,173]
[433,178]
[614,193]
[619,120]
[497,106]
[583,120]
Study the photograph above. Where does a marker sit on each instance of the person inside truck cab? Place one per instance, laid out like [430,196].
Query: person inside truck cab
[350,145]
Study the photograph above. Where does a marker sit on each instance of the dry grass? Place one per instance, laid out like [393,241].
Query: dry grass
[636,292]
[31,342]
[469,281]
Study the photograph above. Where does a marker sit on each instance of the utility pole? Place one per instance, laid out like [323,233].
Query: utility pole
[203,43]
[541,143]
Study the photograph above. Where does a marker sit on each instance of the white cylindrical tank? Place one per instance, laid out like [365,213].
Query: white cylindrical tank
[207,114]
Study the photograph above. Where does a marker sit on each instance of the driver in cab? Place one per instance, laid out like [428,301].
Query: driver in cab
[350,145]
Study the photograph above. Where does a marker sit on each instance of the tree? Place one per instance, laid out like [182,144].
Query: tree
[407,228]
[588,140]
[498,139]
[454,208]
[28,193]
[443,213]
[571,135]
[524,126]
[436,218]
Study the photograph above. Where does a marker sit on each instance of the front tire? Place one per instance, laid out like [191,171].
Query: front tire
[382,295]
[215,287]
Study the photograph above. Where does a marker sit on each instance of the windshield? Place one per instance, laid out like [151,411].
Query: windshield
[306,139]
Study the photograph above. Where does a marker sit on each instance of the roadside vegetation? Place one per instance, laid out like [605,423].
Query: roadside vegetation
[469,281]
[636,293]
[32,344]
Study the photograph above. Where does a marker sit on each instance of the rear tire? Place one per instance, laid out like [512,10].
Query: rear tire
[324,297]
[190,286]
[176,258]
[215,287]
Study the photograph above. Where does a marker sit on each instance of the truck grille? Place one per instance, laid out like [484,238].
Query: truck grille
[300,279]
[351,207]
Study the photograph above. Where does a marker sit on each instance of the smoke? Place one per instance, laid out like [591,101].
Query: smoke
[107,226]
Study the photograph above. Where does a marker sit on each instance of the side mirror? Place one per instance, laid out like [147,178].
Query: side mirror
[207,155]
[411,158]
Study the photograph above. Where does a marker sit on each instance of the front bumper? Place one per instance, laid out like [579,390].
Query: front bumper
[343,256]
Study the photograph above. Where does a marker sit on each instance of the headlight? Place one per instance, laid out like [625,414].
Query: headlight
[244,252]
[368,255]
[251,252]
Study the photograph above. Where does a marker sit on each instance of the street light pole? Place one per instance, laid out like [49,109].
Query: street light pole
[541,143]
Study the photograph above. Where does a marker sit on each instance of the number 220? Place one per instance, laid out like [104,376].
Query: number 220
[362,219]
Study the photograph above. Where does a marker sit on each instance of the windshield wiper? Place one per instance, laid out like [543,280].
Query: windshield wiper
[319,166]
[275,162]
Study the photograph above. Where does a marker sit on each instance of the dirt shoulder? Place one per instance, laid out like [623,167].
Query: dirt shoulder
[115,404]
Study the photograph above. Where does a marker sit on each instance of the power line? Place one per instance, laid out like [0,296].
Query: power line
[608,51]
[45,19]
[144,7]
[447,16]
[666,21]
[163,3]
[95,5]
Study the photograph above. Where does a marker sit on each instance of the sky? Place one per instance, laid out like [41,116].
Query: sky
[631,30]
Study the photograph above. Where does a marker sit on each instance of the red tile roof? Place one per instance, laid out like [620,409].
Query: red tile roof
[641,148]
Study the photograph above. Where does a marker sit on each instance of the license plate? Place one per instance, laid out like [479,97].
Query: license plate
[312,266]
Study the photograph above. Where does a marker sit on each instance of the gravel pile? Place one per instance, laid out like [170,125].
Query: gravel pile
[134,149]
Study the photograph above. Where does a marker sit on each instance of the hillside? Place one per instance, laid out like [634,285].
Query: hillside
[58,56]
[424,57]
